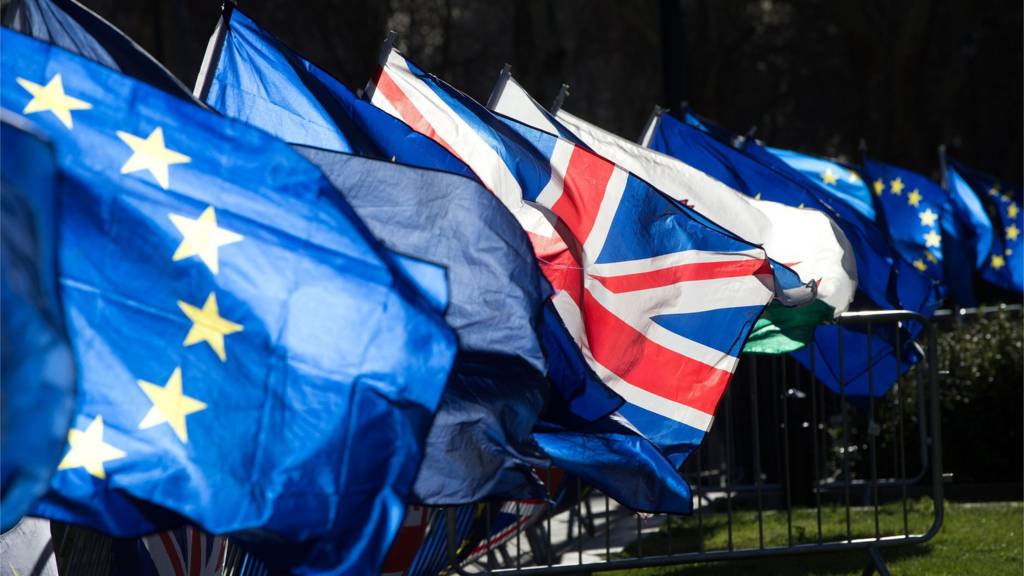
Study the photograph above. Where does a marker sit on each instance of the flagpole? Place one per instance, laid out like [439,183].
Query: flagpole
[943,180]
[213,50]
[382,60]
[649,126]
[499,86]
[559,99]
[742,139]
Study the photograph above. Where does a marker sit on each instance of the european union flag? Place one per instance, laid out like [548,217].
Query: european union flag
[250,358]
[884,280]
[298,102]
[38,379]
[75,28]
[509,335]
[1003,263]
[914,211]
[840,181]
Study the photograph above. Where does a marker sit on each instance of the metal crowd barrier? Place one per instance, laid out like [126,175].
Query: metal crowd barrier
[845,474]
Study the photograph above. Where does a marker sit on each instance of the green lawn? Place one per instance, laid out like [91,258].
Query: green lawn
[984,539]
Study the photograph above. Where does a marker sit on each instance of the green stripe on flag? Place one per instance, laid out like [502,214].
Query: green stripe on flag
[780,329]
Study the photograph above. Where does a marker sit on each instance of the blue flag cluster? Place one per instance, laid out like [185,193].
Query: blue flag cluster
[280,312]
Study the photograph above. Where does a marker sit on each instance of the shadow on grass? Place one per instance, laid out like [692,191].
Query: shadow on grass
[748,530]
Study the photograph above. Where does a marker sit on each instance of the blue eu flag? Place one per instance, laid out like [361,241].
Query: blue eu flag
[1000,256]
[298,102]
[839,181]
[250,358]
[914,212]
[509,335]
[886,281]
[37,383]
[75,28]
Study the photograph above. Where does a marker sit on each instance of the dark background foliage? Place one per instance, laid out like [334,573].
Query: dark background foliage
[815,75]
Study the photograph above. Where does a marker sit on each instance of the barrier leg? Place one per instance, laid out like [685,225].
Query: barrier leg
[875,563]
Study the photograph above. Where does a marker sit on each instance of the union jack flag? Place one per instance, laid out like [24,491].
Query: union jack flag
[184,551]
[659,299]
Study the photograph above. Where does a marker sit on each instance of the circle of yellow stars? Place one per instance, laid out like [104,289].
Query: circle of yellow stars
[932,238]
[202,237]
[1011,232]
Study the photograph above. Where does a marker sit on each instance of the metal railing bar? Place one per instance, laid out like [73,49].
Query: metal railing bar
[756,433]
[846,429]
[815,435]
[873,455]
[785,453]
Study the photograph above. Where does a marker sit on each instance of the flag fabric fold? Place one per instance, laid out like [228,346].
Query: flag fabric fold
[236,326]
[984,197]
[73,27]
[38,379]
[479,445]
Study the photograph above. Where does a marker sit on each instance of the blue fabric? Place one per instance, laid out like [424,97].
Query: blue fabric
[75,28]
[836,179]
[1002,264]
[613,455]
[479,445]
[261,81]
[885,280]
[304,429]
[37,383]
[970,214]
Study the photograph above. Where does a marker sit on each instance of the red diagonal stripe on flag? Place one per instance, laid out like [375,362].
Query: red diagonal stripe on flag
[681,273]
[586,178]
[648,365]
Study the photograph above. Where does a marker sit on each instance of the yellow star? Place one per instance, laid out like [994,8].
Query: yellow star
[208,325]
[928,217]
[994,191]
[201,237]
[1005,197]
[1012,232]
[1008,252]
[151,154]
[89,451]
[920,265]
[828,177]
[914,198]
[932,239]
[853,178]
[896,186]
[170,405]
[1012,210]
[801,205]
[879,187]
[51,98]
[998,262]
[931,257]
[757,196]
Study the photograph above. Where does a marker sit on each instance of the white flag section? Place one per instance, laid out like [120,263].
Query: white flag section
[805,240]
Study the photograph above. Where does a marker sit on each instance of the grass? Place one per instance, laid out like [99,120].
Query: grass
[984,539]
